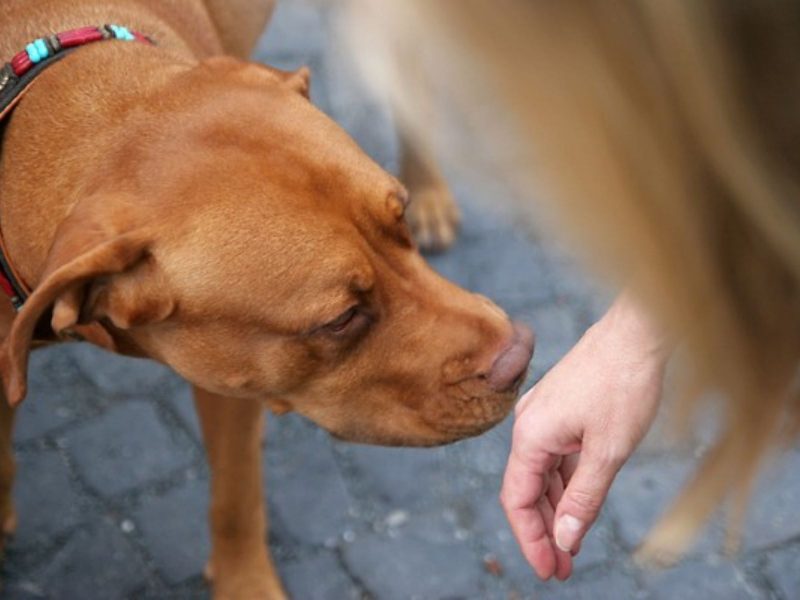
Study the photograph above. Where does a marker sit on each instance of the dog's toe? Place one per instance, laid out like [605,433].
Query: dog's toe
[7,528]
[9,524]
[433,218]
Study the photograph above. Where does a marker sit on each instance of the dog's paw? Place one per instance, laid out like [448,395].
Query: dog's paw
[249,590]
[433,217]
[8,527]
[245,584]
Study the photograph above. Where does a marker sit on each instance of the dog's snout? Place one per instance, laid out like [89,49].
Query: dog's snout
[512,364]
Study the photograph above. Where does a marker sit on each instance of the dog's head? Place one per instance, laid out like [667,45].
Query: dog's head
[252,246]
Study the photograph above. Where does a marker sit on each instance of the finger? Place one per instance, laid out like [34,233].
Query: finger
[535,543]
[546,510]
[584,496]
[566,470]
[563,563]
[556,488]
[524,483]
[568,465]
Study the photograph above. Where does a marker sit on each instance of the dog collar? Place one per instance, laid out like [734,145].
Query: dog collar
[16,78]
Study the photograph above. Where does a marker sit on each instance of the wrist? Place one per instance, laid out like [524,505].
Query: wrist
[630,329]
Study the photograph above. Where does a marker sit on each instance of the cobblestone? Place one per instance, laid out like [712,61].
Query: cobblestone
[426,570]
[174,529]
[50,505]
[591,586]
[97,562]
[556,329]
[119,375]
[112,485]
[48,407]
[181,402]
[783,568]
[319,577]
[704,579]
[123,448]
[394,476]
[772,518]
[307,492]
[643,490]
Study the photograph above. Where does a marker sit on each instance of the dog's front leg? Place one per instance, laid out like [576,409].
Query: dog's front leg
[433,214]
[8,516]
[240,565]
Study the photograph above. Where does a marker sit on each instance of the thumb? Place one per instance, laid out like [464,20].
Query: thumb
[583,498]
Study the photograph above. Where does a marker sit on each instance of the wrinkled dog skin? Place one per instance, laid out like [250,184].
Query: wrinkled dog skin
[175,203]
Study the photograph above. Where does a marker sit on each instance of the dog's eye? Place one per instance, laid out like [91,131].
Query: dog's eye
[341,323]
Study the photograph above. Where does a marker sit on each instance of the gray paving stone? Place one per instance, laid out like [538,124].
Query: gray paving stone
[48,502]
[124,448]
[175,529]
[193,590]
[783,569]
[97,562]
[58,394]
[305,487]
[662,439]
[486,454]
[449,523]
[396,477]
[297,27]
[643,491]
[480,200]
[318,577]
[452,265]
[772,517]
[556,329]
[22,590]
[597,585]
[114,374]
[493,532]
[181,400]
[506,267]
[482,218]
[599,546]
[703,580]
[425,569]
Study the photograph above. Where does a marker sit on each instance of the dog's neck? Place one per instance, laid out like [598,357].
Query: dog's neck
[80,106]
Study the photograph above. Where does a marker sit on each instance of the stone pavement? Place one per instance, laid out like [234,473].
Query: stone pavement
[112,486]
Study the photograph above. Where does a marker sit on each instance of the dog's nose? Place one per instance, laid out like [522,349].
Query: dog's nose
[510,367]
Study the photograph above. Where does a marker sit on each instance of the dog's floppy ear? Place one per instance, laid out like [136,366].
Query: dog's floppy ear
[299,80]
[88,252]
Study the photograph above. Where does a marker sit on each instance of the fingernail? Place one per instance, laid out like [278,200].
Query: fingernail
[568,532]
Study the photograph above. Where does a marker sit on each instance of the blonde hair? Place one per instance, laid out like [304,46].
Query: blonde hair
[670,133]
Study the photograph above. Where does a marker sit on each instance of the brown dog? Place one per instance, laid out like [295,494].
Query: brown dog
[168,202]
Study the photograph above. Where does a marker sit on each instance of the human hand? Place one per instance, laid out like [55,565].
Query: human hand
[575,430]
